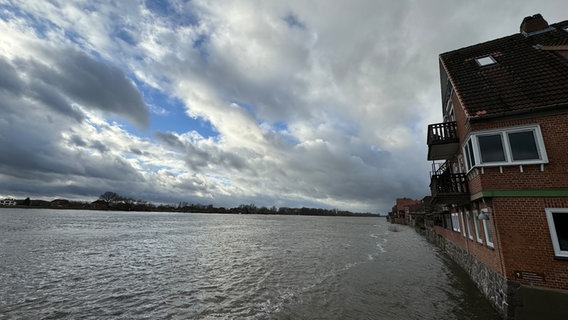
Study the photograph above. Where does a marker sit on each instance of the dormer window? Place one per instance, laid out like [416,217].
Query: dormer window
[485,61]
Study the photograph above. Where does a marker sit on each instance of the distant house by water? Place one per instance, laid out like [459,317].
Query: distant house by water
[402,210]
[500,159]
[8,202]
[99,205]
[59,203]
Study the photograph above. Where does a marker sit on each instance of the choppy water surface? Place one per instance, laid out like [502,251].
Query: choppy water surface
[91,264]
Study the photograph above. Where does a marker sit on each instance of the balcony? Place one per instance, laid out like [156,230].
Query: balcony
[449,188]
[443,141]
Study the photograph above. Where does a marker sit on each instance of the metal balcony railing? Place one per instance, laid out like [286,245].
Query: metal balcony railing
[455,183]
[447,187]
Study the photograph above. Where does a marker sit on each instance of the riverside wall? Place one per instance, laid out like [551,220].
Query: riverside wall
[492,285]
[512,300]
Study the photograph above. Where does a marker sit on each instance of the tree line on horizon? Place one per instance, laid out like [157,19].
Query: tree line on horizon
[113,201]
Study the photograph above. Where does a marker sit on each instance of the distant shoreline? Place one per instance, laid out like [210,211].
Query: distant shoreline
[134,207]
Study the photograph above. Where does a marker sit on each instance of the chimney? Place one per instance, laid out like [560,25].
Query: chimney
[533,24]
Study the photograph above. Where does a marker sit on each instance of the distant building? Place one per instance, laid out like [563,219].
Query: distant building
[60,203]
[99,205]
[8,202]
[401,211]
[500,177]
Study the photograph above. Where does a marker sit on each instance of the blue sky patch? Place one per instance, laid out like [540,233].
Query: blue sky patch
[39,24]
[293,21]
[281,128]
[167,9]
[200,44]
[125,36]
[167,114]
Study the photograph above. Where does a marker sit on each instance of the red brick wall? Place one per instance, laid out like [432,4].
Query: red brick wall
[454,236]
[525,239]
[484,253]
[404,203]
[461,117]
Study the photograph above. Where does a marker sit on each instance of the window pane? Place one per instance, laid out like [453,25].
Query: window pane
[469,157]
[523,145]
[488,230]
[488,234]
[455,222]
[477,226]
[491,148]
[468,224]
[561,225]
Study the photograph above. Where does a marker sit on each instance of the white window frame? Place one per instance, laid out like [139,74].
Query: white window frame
[462,223]
[485,61]
[471,142]
[468,224]
[487,230]
[449,109]
[469,154]
[477,226]
[455,221]
[552,228]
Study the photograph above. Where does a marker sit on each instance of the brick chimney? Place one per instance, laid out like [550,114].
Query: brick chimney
[533,24]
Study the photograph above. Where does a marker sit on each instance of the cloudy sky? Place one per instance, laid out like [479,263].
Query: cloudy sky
[285,103]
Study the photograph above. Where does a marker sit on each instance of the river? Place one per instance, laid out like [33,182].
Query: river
[68,264]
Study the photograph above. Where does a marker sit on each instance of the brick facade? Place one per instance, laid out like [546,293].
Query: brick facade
[526,244]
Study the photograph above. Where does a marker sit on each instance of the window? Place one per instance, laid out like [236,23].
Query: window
[462,223]
[487,229]
[523,145]
[447,221]
[468,224]
[558,226]
[491,148]
[455,222]
[449,110]
[485,61]
[510,146]
[476,225]
[469,155]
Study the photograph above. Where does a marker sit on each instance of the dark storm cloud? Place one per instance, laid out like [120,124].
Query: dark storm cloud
[197,157]
[10,81]
[73,77]
[97,85]
[99,146]
[77,141]
[47,161]
[45,94]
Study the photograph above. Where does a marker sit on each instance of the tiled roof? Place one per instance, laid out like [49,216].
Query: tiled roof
[530,73]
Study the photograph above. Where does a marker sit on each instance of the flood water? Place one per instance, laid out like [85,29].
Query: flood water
[66,264]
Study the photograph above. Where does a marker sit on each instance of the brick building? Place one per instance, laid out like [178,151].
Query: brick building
[500,167]
[402,210]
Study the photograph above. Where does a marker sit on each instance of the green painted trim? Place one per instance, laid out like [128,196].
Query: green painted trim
[521,193]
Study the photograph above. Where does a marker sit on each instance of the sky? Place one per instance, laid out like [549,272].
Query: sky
[272,103]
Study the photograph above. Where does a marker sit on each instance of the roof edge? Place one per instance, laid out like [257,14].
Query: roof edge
[543,109]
